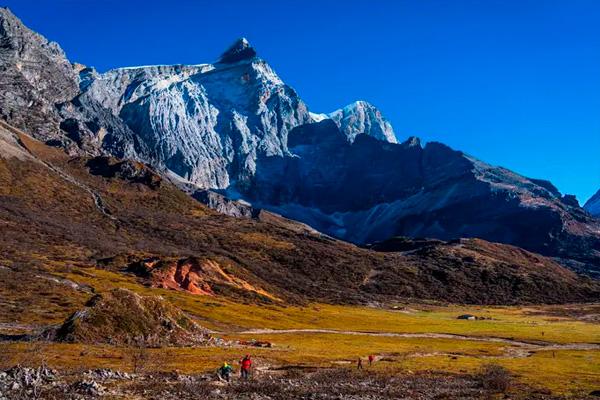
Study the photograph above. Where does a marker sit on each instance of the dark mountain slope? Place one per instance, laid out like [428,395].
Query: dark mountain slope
[467,268]
[370,190]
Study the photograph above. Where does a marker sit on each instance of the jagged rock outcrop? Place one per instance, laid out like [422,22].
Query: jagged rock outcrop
[224,205]
[593,204]
[127,170]
[194,275]
[34,76]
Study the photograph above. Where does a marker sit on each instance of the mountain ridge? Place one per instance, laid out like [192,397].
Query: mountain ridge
[237,128]
[433,191]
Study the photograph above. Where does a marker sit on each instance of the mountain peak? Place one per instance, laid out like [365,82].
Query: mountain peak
[362,117]
[239,50]
[6,11]
[412,141]
[7,15]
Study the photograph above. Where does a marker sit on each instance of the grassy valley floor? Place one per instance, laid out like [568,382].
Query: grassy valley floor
[555,348]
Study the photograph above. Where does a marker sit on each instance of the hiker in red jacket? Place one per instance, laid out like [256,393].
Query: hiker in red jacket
[371,359]
[246,363]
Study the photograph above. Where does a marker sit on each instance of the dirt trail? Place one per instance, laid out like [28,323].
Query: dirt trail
[98,202]
[18,326]
[515,348]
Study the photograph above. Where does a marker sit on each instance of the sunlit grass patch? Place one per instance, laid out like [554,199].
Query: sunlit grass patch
[220,313]
[564,372]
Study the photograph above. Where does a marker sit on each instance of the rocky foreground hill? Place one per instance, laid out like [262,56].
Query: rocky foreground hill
[235,127]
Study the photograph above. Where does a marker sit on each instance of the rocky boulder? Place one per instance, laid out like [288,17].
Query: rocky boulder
[128,170]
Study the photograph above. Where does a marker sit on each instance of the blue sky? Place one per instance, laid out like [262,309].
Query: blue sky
[514,83]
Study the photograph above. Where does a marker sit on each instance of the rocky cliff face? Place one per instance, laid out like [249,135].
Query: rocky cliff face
[35,76]
[206,123]
[593,204]
[234,126]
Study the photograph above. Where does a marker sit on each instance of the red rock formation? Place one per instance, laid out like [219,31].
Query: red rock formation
[192,274]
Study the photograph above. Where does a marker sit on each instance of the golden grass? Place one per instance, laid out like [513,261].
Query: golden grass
[219,313]
[564,371]
[323,349]
[264,240]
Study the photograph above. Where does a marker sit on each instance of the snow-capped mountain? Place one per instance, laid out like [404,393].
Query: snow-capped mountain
[236,127]
[593,204]
[208,123]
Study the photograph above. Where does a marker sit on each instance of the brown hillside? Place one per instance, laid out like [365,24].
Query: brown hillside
[56,212]
[477,271]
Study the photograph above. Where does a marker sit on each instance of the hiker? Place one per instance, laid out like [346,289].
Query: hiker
[225,371]
[371,359]
[359,364]
[246,363]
